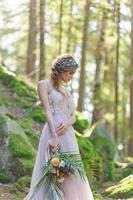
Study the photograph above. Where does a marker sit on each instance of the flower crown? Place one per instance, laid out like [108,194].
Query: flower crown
[67,62]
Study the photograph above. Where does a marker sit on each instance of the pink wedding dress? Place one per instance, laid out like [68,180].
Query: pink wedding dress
[74,187]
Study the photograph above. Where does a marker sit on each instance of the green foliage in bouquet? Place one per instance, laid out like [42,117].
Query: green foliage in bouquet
[56,169]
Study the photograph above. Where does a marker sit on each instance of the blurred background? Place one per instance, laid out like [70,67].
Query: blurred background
[99,34]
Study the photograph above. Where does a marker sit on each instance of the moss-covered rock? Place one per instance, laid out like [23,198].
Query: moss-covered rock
[122,190]
[17,155]
[33,137]
[21,185]
[38,114]
[123,169]
[19,147]
[18,85]
[5,100]
[81,123]
[104,145]
[26,123]
[98,196]
[4,177]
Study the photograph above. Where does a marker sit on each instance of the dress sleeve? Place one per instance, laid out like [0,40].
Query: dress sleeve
[42,89]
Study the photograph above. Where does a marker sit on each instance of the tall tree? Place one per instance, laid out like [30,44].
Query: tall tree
[69,27]
[117,6]
[42,70]
[60,26]
[83,56]
[130,143]
[98,58]
[31,57]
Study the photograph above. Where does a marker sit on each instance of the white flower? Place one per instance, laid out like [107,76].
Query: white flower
[53,170]
[62,164]
[60,180]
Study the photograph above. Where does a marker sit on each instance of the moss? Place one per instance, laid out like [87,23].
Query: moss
[11,116]
[26,123]
[9,79]
[123,190]
[127,171]
[106,149]
[27,164]
[111,170]
[98,196]
[20,187]
[22,167]
[122,170]
[91,159]
[38,114]
[4,178]
[19,147]
[5,100]
[22,89]
[104,146]
[81,123]
[3,119]
[33,137]
[129,159]
[22,183]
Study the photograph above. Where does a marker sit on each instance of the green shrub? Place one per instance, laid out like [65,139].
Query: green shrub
[91,159]
[81,123]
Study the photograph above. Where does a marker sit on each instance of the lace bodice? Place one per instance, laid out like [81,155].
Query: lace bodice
[58,102]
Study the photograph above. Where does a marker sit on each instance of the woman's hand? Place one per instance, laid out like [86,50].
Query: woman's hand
[53,143]
[61,129]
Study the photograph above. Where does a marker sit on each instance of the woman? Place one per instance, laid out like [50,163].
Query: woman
[58,131]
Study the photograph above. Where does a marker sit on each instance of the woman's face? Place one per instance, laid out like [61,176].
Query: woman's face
[66,76]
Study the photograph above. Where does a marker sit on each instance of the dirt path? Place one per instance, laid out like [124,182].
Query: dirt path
[6,193]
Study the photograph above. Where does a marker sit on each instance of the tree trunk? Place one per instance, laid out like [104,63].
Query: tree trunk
[42,70]
[116,70]
[83,56]
[60,26]
[69,28]
[130,142]
[96,116]
[30,66]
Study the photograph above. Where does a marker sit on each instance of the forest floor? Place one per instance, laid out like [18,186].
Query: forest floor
[6,193]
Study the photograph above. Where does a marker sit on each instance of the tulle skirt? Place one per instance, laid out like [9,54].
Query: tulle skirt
[74,187]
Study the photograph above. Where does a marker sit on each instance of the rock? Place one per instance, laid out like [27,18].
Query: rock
[124,189]
[16,152]
[102,140]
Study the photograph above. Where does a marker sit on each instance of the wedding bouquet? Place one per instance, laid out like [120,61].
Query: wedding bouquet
[60,166]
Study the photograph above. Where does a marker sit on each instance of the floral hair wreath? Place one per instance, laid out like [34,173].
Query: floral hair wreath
[67,63]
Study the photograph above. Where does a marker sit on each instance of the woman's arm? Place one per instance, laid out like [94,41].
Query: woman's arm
[71,120]
[65,125]
[43,95]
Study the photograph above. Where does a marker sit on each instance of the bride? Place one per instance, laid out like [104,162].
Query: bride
[57,132]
